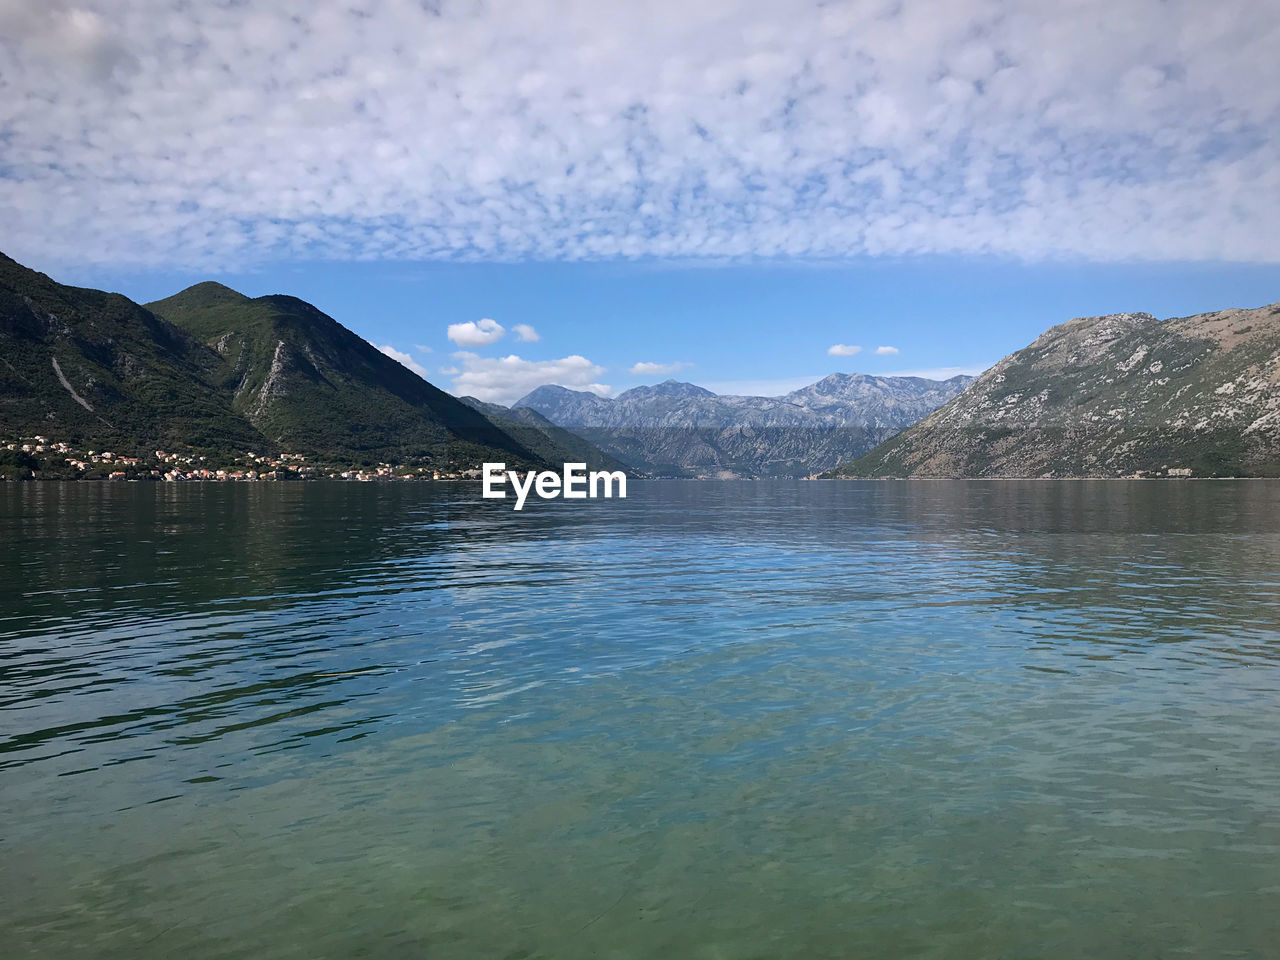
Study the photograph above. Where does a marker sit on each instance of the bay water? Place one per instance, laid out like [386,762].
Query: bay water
[766,719]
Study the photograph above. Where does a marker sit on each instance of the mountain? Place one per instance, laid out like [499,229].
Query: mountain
[1119,395]
[552,444]
[565,407]
[668,388]
[307,383]
[679,429]
[889,402]
[213,370]
[83,365]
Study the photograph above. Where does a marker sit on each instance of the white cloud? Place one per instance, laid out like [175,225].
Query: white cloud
[471,334]
[646,369]
[404,359]
[843,350]
[526,333]
[422,348]
[886,351]
[215,135]
[507,379]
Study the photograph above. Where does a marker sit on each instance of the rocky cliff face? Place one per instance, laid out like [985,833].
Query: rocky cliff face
[679,429]
[1119,395]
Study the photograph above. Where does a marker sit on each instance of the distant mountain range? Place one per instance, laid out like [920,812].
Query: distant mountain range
[551,443]
[683,430]
[211,369]
[1119,395]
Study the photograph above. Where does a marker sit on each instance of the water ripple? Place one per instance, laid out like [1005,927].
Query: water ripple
[712,720]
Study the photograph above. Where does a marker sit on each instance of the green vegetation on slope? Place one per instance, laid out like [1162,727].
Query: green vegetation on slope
[212,370]
[308,383]
[95,367]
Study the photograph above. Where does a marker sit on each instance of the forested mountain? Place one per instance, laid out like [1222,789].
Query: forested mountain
[210,369]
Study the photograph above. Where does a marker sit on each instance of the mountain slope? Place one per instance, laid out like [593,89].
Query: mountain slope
[216,371]
[679,429]
[308,383]
[1110,396]
[553,444]
[95,367]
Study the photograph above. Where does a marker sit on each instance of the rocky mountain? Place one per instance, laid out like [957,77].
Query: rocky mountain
[211,369]
[553,444]
[680,429]
[1112,396]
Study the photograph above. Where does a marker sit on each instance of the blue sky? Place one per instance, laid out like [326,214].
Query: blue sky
[739,327]
[724,190]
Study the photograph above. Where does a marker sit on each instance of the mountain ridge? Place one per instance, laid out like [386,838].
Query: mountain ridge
[306,381]
[97,366]
[1115,395]
[681,429]
[210,369]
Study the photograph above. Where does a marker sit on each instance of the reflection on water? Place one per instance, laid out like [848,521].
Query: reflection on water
[769,719]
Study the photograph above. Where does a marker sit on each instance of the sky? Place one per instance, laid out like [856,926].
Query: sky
[748,195]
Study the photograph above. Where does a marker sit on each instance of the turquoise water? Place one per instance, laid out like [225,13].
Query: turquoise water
[715,720]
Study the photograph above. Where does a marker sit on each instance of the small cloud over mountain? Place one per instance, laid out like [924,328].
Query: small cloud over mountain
[647,369]
[843,350]
[403,359]
[480,334]
[507,379]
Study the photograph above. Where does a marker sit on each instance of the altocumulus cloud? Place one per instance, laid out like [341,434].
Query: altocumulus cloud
[507,379]
[216,134]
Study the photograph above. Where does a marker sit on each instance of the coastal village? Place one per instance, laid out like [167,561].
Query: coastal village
[42,458]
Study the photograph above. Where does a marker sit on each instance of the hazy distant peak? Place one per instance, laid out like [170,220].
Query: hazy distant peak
[680,429]
[667,388]
[835,382]
[861,389]
[552,392]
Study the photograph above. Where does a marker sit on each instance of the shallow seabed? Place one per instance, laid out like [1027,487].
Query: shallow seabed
[715,720]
